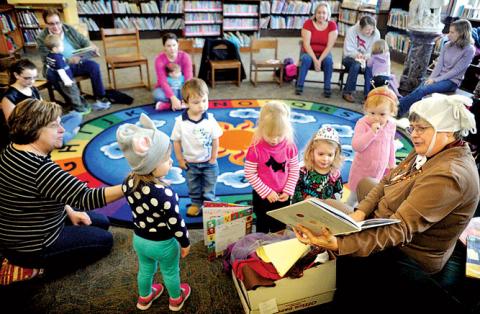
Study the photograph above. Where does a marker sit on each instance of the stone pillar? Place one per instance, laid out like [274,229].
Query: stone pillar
[415,66]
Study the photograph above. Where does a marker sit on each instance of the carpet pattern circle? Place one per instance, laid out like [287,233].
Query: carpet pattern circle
[94,157]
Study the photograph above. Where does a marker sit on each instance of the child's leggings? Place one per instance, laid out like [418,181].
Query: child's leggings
[167,254]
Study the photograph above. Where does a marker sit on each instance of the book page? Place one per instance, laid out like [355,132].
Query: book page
[229,233]
[316,215]
[85,53]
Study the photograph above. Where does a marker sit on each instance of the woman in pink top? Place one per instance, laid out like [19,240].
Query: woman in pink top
[163,94]
[318,35]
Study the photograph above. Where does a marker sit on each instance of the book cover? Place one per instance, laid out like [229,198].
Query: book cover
[217,209]
[472,267]
[85,53]
[316,215]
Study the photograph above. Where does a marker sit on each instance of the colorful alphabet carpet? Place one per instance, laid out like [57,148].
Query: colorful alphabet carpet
[94,157]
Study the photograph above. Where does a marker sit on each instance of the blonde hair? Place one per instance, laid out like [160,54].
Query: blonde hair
[274,119]
[322,4]
[379,96]
[194,87]
[379,47]
[308,157]
[52,41]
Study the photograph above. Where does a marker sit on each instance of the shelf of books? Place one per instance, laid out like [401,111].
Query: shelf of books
[399,44]
[202,19]
[11,40]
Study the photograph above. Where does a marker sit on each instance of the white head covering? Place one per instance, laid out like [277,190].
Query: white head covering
[143,146]
[447,113]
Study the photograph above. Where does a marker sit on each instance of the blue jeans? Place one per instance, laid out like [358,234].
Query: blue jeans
[306,63]
[202,179]
[354,68]
[76,246]
[70,122]
[159,94]
[422,91]
[91,69]
[150,253]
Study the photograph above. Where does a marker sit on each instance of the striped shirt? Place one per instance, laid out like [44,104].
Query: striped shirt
[33,194]
[272,168]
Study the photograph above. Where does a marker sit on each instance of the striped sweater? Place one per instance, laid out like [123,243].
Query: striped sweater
[33,194]
[272,168]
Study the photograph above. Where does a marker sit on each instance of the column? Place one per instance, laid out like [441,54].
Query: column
[418,59]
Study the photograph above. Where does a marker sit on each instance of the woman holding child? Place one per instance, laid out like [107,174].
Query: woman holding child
[433,193]
[163,94]
[356,50]
[318,37]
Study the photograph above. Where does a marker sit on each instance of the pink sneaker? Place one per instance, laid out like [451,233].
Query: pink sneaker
[176,305]
[162,106]
[144,303]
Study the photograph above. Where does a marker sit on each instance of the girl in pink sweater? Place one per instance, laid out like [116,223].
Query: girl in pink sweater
[373,139]
[271,164]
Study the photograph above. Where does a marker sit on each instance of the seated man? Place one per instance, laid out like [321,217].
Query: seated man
[72,40]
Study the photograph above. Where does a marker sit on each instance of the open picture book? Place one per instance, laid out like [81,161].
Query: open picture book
[315,215]
[85,53]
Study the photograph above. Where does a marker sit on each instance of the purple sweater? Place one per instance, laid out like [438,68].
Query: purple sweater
[452,63]
[380,64]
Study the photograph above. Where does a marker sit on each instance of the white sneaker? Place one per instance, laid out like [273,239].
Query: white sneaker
[402,123]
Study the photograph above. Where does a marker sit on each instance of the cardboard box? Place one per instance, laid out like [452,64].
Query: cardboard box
[317,286]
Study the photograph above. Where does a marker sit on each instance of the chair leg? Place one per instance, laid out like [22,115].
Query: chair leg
[256,77]
[239,76]
[148,77]
[213,77]
[108,74]
[114,79]
[281,76]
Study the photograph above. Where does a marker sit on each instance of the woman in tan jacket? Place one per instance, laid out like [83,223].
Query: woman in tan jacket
[434,193]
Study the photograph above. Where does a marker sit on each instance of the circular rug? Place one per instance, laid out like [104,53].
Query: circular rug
[94,157]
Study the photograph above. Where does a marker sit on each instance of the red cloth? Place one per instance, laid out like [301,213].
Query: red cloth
[318,39]
[266,270]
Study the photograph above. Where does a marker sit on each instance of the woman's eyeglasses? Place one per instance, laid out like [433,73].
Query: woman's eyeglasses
[419,129]
[29,78]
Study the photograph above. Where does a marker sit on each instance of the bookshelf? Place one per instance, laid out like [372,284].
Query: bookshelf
[11,40]
[351,12]
[29,16]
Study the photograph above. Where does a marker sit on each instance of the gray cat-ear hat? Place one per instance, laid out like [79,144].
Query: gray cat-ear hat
[143,146]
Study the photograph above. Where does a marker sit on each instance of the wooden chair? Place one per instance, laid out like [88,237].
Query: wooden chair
[124,41]
[186,45]
[225,65]
[270,65]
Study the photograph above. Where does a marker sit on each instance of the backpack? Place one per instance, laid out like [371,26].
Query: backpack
[289,70]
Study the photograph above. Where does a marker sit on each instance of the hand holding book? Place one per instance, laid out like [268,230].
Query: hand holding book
[324,239]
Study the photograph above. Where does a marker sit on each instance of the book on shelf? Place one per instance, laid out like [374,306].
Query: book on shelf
[316,215]
[86,53]
[472,268]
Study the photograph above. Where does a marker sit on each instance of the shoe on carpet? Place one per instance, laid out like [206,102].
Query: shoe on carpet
[327,93]
[298,90]
[348,97]
[162,106]
[101,104]
[177,304]
[193,210]
[402,123]
[10,273]
[144,303]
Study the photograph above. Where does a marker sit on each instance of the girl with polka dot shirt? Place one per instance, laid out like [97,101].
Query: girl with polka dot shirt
[160,235]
